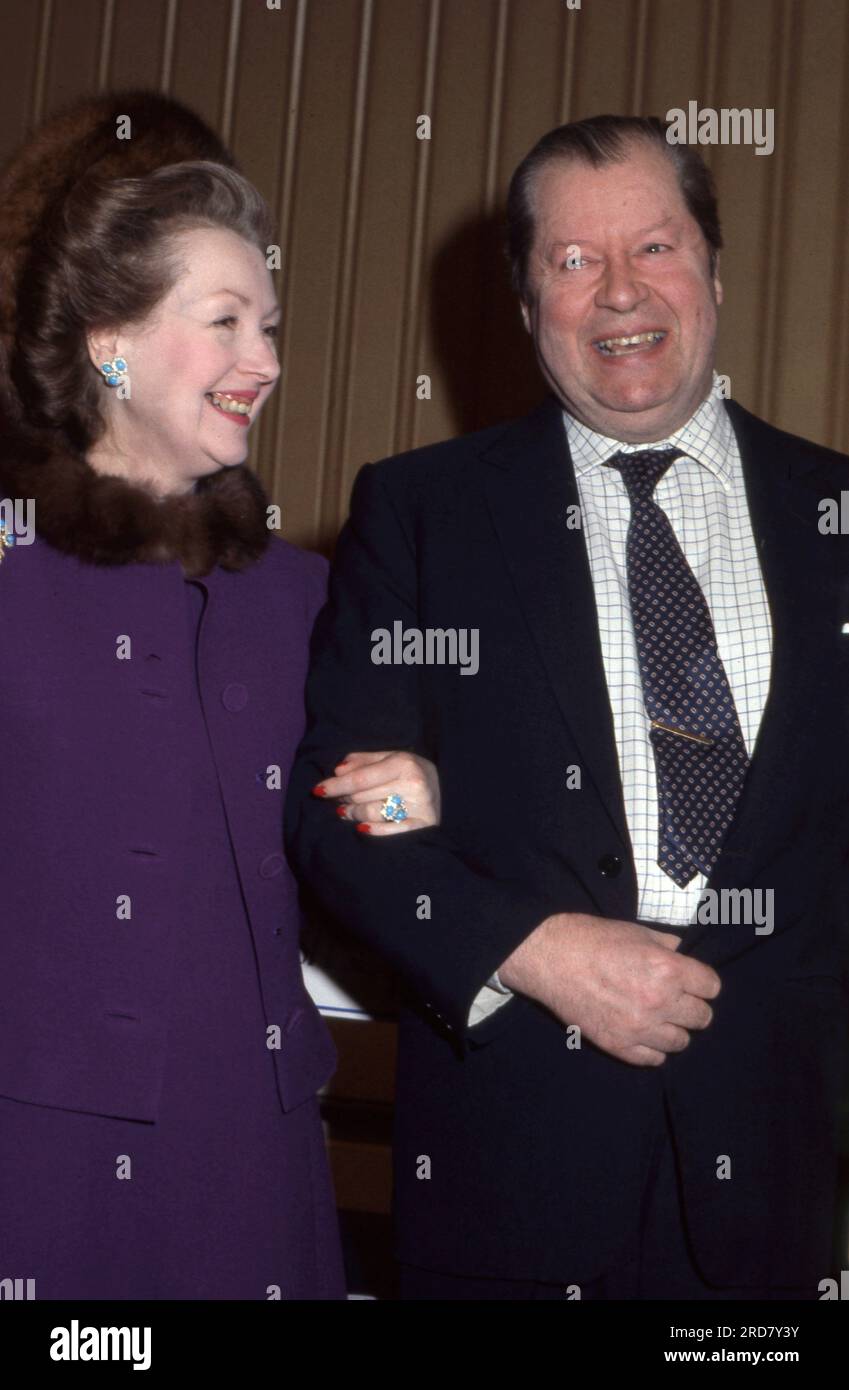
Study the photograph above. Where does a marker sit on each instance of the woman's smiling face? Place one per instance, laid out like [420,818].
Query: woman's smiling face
[212,336]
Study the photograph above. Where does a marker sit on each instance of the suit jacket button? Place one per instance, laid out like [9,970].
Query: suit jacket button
[234,697]
[610,865]
[271,865]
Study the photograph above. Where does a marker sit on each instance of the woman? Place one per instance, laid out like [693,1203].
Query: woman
[159,1055]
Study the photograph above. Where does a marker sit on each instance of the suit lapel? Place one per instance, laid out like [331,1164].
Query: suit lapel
[529,487]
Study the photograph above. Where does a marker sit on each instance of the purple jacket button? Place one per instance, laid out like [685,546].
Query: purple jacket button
[271,865]
[234,697]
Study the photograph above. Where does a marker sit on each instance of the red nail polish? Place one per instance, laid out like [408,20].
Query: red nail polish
[364,827]
[341,811]
[319,790]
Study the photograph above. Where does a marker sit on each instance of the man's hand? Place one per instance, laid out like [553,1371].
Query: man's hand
[621,983]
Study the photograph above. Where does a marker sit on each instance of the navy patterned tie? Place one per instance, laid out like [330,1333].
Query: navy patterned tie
[699,750]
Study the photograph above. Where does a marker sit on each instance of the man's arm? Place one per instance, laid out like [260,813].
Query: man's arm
[383,890]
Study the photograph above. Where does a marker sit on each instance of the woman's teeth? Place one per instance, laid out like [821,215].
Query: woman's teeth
[615,347]
[228,404]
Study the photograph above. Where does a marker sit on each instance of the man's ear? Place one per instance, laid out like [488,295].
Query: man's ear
[717,283]
[526,314]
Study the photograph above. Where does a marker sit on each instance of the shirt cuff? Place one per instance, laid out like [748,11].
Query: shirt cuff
[486,1001]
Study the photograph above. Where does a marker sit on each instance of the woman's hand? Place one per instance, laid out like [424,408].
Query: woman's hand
[362,781]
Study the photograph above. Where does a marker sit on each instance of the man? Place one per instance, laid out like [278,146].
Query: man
[624,944]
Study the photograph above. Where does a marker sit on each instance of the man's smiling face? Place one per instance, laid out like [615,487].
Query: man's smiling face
[644,275]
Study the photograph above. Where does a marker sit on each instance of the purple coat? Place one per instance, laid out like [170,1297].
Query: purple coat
[94,808]
[97,714]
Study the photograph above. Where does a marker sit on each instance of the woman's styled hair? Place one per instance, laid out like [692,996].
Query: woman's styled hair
[103,257]
[598,141]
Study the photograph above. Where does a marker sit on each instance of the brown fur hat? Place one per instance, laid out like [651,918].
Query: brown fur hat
[79,139]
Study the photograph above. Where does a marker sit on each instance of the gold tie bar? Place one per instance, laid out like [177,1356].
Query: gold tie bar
[670,729]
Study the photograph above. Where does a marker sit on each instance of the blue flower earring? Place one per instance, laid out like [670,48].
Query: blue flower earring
[115,372]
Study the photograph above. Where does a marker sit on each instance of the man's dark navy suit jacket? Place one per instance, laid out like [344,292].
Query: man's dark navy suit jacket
[537,1149]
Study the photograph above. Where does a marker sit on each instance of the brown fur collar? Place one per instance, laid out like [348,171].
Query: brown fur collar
[108,521]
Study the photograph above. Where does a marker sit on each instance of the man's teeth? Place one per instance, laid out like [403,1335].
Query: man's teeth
[228,403]
[614,346]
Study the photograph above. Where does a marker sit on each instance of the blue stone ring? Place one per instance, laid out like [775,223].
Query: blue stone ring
[394,807]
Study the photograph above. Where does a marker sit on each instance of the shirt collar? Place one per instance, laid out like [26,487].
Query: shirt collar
[707,437]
